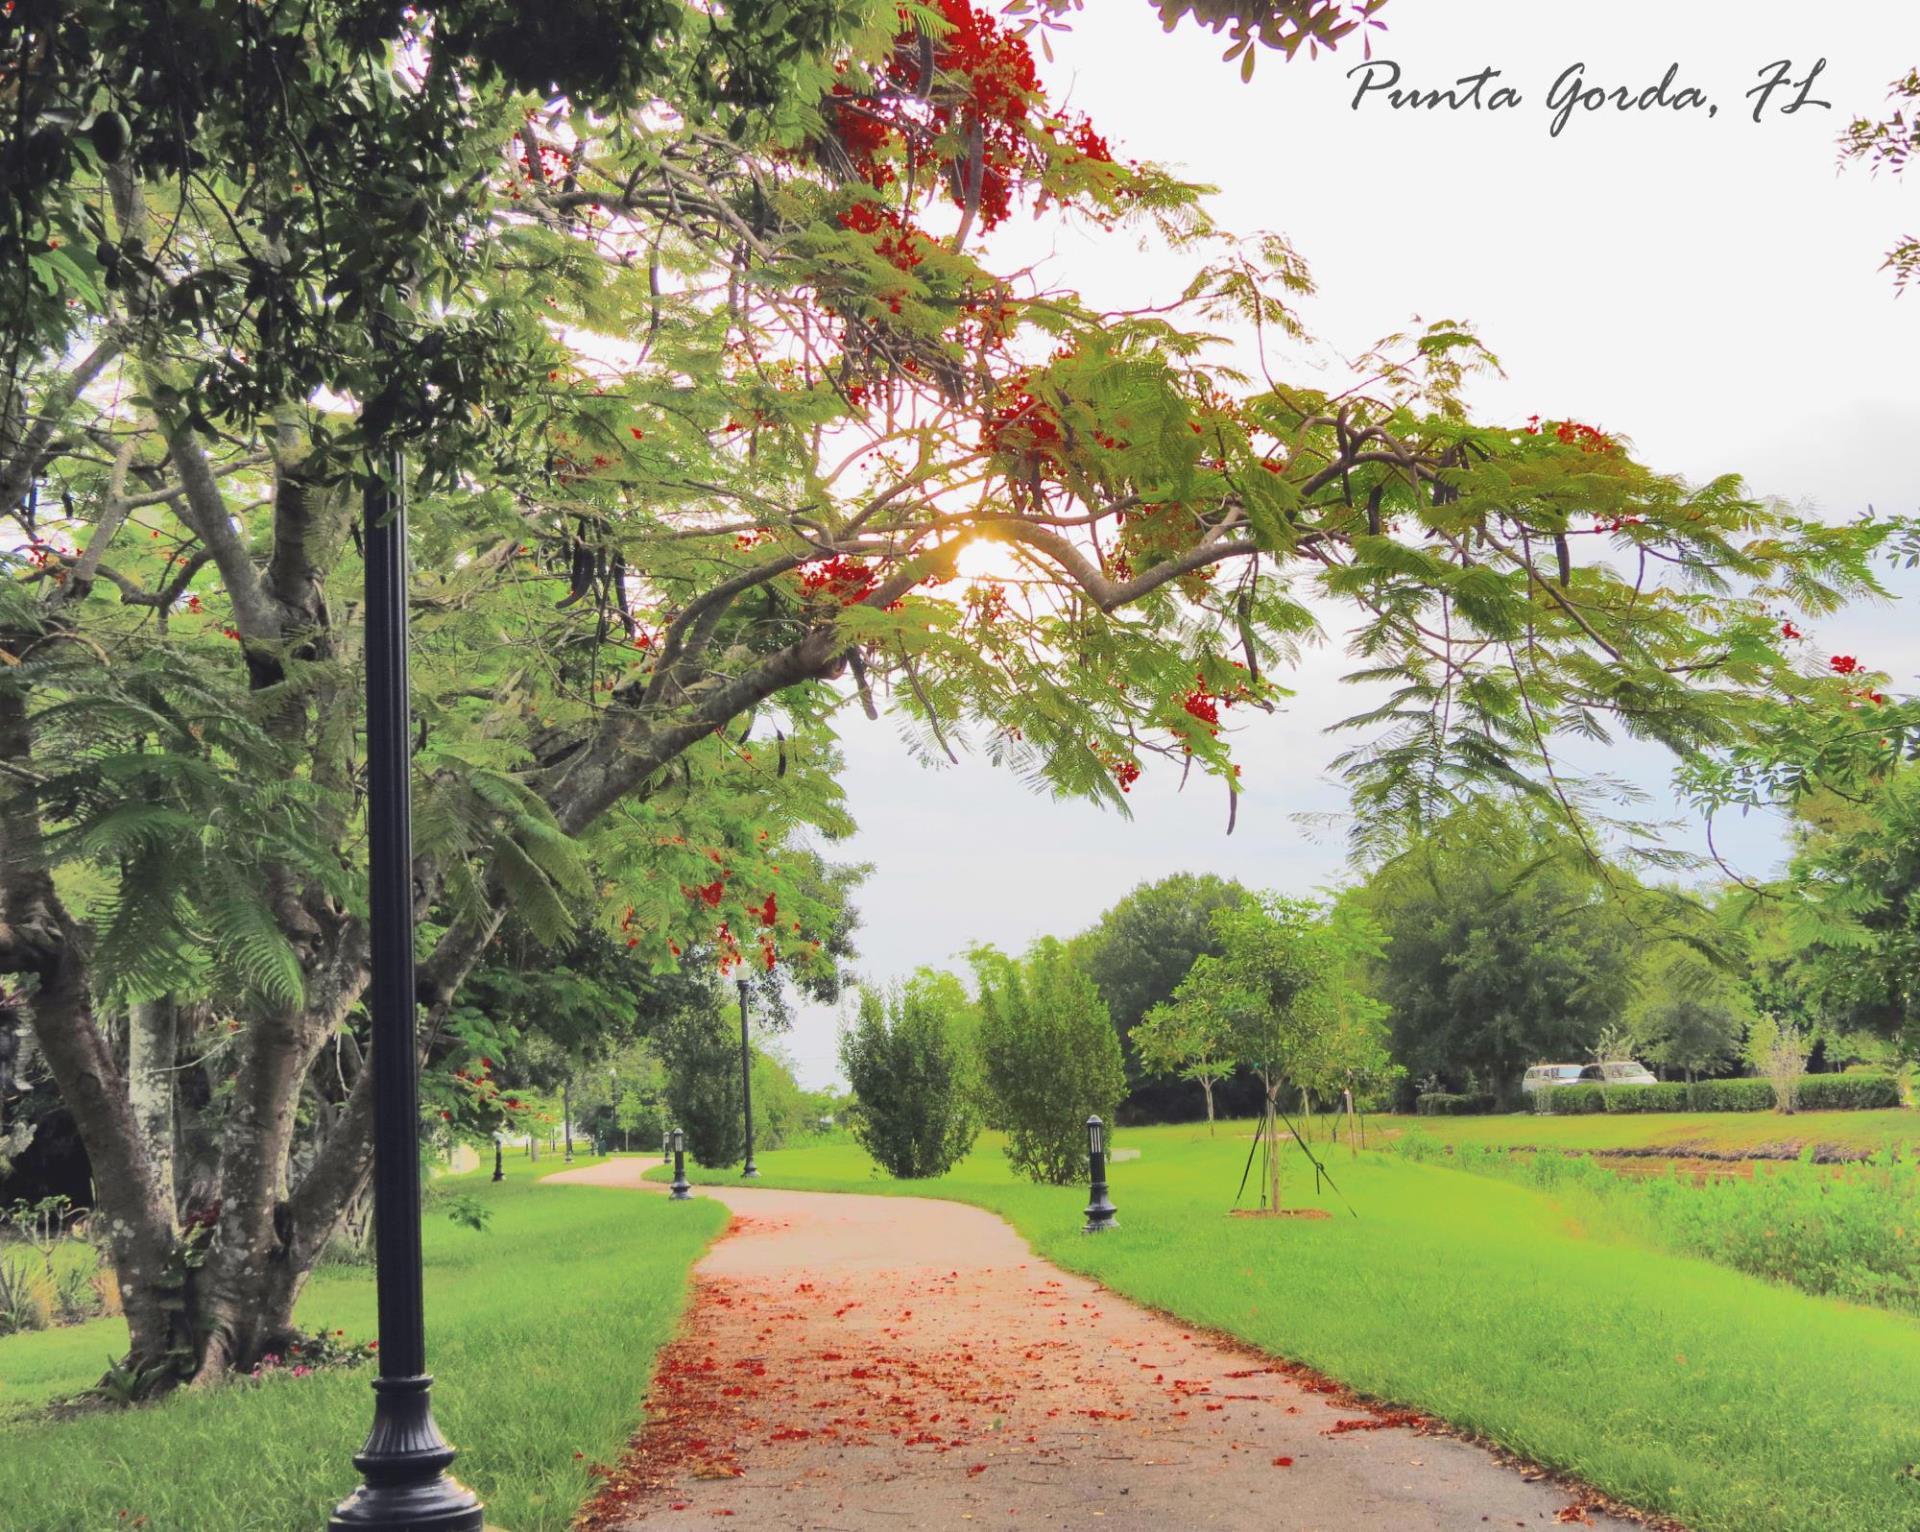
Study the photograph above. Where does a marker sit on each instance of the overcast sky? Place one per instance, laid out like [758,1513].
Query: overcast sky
[1705,285]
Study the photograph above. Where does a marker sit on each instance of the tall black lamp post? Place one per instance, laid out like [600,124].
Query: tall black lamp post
[405,1460]
[499,1164]
[1100,1211]
[566,1116]
[9,1056]
[746,1080]
[682,1187]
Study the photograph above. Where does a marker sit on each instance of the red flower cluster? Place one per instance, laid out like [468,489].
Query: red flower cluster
[1572,433]
[1788,630]
[847,580]
[983,87]
[987,602]
[1203,706]
[1844,664]
[1126,773]
[553,164]
[1090,143]
[1025,430]
[896,241]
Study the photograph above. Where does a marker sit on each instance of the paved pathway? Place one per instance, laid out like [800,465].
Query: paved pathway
[852,1363]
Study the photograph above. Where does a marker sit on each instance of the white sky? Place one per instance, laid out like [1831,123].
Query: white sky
[1706,287]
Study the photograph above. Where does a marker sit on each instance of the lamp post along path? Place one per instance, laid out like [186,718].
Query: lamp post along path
[405,1459]
[682,1187]
[1100,1211]
[746,1081]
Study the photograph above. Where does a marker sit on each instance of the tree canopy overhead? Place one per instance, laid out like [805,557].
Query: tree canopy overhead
[719,417]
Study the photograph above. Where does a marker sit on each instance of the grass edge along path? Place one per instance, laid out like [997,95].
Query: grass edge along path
[541,1331]
[1670,1384]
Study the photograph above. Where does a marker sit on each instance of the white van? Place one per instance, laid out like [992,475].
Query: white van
[1542,1075]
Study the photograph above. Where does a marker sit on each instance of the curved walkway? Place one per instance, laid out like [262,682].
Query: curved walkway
[852,1363]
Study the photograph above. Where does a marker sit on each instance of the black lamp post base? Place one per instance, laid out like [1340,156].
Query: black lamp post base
[751,1173]
[1100,1214]
[405,1462]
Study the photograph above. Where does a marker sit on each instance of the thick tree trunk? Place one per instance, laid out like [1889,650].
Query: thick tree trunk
[245,1305]
[38,937]
[130,1211]
[152,1047]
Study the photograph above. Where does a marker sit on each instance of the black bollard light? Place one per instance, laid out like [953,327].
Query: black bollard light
[499,1163]
[405,1459]
[682,1188]
[666,1145]
[746,1082]
[1099,1210]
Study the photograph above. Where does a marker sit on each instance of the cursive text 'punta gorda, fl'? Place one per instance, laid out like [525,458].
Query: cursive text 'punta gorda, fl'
[1379,83]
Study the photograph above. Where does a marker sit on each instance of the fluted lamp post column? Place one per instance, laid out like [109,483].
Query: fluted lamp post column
[1100,1211]
[499,1163]
[405,1459]
[682,1187]
[750,1169]
[9,1055]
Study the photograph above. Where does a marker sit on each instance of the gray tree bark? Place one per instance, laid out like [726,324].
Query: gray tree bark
[152,1050]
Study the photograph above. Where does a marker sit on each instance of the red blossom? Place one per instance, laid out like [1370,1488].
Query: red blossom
[845,579]
[1844,664]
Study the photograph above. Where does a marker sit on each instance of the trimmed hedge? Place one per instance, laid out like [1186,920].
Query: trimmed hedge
[1570,1100]
[1818,1093]
[1668,1096]
[1439,1103]
[1732,1096]
[1848,1093]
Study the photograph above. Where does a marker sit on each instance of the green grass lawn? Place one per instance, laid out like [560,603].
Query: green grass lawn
[1676,1385]
[1894,1128]
[541,1331]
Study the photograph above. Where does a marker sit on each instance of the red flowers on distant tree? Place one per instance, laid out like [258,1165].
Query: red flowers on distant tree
[1573,434]
[847,580]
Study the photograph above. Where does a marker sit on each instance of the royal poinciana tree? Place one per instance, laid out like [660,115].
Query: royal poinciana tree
[708,386]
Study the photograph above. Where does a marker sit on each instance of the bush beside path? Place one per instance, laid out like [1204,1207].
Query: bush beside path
[852,1361]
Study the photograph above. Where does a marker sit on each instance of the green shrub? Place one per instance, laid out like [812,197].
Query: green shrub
[1731,1096]
[906,1061]
[1848,1093]
[1665,1097]
[701,1051]
[1439,1103]
[1817,1093]
[1572,1100]
[1050,1056]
